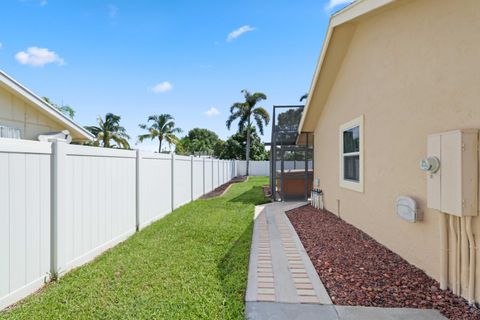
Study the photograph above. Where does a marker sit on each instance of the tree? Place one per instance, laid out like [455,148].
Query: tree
[109,129]
[235,146]
[181,147]
[65,109]
[197,141]
[243,112]
[289,120]
[162,128]
[218,149]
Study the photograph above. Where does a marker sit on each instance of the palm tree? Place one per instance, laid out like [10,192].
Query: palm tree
[109,129]
[162,128]
[243,111]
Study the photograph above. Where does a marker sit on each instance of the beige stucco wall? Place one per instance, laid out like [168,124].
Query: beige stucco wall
[18,113]
[411,71]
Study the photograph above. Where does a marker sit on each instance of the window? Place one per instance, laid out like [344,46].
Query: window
[351,155]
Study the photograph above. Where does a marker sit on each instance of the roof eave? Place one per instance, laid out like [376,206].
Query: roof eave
[349,13]
[39,102]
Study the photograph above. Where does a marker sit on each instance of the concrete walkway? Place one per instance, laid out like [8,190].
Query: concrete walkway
[283,283]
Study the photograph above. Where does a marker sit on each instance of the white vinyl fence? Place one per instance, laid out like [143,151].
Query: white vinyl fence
[262,168]
[61,205]
[24,218]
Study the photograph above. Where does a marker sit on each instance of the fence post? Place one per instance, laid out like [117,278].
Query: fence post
[58,199]
[173,181]
[137,189]
[213,184]
[191,178]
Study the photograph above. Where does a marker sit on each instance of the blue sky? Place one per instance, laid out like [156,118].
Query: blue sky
[187,58]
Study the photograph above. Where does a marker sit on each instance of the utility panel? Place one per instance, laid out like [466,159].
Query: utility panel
[452,168]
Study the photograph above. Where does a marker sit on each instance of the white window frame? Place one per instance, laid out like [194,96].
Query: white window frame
[349,184]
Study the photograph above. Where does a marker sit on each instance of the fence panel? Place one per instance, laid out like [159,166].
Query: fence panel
[257,168]
[234,165]
[224,171]
[62,205]
[24,218]
[154,186]
[182,181]
[229,170]
[99,208]
[242,167]
[215,173]
[197,177]
[208,175]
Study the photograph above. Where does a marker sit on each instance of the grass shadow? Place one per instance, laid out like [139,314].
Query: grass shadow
[251,196]
[233,273]
[233,267]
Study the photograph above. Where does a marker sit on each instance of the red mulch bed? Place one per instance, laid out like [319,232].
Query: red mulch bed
[357,270]
[221,189]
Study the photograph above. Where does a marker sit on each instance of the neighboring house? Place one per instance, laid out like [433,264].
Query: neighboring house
[25,115]
[391,74]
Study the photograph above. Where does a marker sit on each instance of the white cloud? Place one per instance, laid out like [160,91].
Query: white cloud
[335,3]
[162,87]
[212,112]
[238,32]
[1,45]
[38,57]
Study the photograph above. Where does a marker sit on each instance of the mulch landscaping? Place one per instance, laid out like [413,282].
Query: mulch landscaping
[221,189]
[357,270]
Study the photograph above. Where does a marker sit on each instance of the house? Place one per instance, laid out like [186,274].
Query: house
[398,81]
[25,115]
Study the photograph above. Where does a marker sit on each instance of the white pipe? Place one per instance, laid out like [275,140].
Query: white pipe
[457,255]
[464,257]
[472,246]
[453,253]
[443,251]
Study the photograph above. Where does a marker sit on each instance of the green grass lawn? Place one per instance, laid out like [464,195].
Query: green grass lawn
[192,264]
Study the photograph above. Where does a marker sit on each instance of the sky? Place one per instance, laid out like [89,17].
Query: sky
[188,58]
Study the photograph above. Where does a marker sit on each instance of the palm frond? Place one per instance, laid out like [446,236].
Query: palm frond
[234,116]
[263,114]
[258,96]
[259,122]
[143,137]
[93,129]
[237,105]
[121,141]
[171,139]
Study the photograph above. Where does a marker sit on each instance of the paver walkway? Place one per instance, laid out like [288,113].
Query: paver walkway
[280,269]
[283,283]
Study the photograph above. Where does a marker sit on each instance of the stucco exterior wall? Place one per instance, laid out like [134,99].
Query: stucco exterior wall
[18,113]
[411,71]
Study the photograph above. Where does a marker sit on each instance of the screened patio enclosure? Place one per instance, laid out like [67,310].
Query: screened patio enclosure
[291,156]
